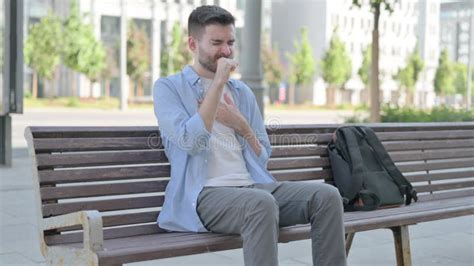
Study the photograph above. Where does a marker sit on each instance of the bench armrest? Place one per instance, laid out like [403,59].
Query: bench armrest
[91,222]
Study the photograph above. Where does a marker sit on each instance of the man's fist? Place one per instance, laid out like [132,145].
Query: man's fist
[224,67]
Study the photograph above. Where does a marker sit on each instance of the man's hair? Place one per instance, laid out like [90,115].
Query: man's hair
[208,15]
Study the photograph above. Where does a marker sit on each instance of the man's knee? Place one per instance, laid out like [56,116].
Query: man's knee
[327,197]
[263,205]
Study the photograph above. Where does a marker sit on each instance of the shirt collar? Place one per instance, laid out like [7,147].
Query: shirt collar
[192,77]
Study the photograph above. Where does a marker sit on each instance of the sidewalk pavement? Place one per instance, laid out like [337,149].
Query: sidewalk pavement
[446,242]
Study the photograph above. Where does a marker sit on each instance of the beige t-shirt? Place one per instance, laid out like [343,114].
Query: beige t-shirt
[226,164]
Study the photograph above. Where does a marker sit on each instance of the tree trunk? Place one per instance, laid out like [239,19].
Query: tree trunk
[139,88]
[107,88]
[330,96]
[291,94]
[91,89]
[34,88]
[73,83]
[374,79]
[131,89]
[409,98]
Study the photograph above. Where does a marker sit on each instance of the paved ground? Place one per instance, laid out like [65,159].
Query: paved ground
[446,242]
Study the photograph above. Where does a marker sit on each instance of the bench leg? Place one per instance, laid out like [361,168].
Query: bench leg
[349,238]
[402,245]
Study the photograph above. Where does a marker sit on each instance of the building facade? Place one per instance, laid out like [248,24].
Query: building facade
[412,23]
[156,17]
[455,21]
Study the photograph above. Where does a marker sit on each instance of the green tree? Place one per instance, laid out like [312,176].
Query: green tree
[302,65]
[375,7]
[82,51]
[460,78]
[444,77]
[43,49]
[408,76]
[176,54]
[138,55]
[111,67]
[272,67]
[364,70]
[336,66]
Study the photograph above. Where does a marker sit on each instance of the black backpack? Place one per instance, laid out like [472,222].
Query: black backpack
[364,173]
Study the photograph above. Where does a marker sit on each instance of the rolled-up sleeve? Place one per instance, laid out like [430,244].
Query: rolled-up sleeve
[188,133]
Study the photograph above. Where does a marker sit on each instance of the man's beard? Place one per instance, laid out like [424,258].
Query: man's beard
[208,64]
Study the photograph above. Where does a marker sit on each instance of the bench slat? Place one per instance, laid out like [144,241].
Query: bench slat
[80,191]
[415,207]
[93,132]
[444,186]
[427,145]
[441,195]
[280,164]
[302,175]
[120,219]
[151,250]
[294,151]
[439,176]
[431,155]
[50,209]
[97,144]
[426,135]
[436,166]
[299,139]
[103,174]
[104,158]
[109,233]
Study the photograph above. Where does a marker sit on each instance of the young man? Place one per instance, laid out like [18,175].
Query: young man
[215,139]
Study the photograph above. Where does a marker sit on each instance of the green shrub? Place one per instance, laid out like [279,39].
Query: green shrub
[73,102]
[27,94]
[437,114]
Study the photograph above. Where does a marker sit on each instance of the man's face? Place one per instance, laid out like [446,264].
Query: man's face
[216,41]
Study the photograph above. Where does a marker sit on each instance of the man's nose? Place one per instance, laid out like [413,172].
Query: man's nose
[226,50]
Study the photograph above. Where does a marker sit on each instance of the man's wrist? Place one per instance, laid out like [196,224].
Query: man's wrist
[245,130]
[219,82]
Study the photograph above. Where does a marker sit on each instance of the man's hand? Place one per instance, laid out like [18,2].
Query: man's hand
[229,115]
[224,67]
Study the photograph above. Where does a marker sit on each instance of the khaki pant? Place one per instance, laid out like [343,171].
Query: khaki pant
[256,212]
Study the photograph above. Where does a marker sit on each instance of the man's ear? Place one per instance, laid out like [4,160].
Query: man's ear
[192,43]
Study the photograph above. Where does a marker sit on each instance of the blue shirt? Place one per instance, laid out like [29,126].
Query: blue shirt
[186,142]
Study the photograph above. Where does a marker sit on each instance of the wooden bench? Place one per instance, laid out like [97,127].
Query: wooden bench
[99,189]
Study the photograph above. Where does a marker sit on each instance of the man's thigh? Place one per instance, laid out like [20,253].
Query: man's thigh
[295,200]
[223,209]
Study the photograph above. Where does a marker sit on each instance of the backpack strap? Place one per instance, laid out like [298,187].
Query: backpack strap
[405,187]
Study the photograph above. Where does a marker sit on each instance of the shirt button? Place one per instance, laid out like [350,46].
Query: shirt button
[205,160]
